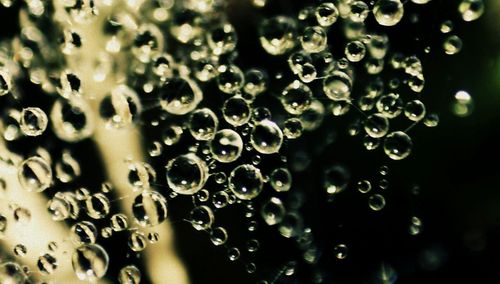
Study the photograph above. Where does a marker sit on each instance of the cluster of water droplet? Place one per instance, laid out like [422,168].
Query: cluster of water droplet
[178,61]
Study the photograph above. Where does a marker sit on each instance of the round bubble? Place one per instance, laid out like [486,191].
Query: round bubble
[246,182]
[226,146]
[186,174]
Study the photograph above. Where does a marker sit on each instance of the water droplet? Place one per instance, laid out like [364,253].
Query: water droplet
[90,262]
[246,182]
[149,208]
[33,121]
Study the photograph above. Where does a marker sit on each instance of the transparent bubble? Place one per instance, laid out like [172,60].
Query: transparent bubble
[281,179]
[172,134]
[397,145]
[292,128]
[446,27]
[272,211]
[336,179]
[255,82]
[277,35]
[149,208]
[359,11]
[22,215]
[226,146]
[69,85]
[266,137]
[376,125]
[463,104]
[415,226]
[203,124]
[153,237]
[186,25]
[338,86]
[202,195]
[307,73]
[83,232]
[236,111]
[390,105]
[312,118]
[120,108]
[147,43]
[141,176]
[179,96]
[137,241]
[296,97]
[72,119]
[376,202]
[19,250]
[230,78]
[222,39]
[388,12]
[364,186]
[415,110]
[11,273]
[59,207]
[355,51]
[233,253]
[186,174]
[35,174]
[97,206]
[220,199]
[119,222]
[431,120]
[452,45]
[67,168]
[201,217]
[291,225]
[260,114]
[218,236]
[297,61]
[106,232]
[471,9]
[340,251]
[90,262]
[246,182]
[129,275]
[5,82]
[33,121]
[47,264]
[313,39]
[327,14]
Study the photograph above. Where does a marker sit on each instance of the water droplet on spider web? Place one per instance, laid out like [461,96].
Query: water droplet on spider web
[129,274]
[376,202]
[398,145]
[35,174]
[149,208]
[201,217]
[266,137]
[90,262]
[388,12]
[202,124]
[218,236]
[19,250]
[11,272]
[47,264]
[226,146]
[120,108]
[278,35]
[137,241]
[83,232]
[33,121]
[187,174]
[273,211]
[246,182]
